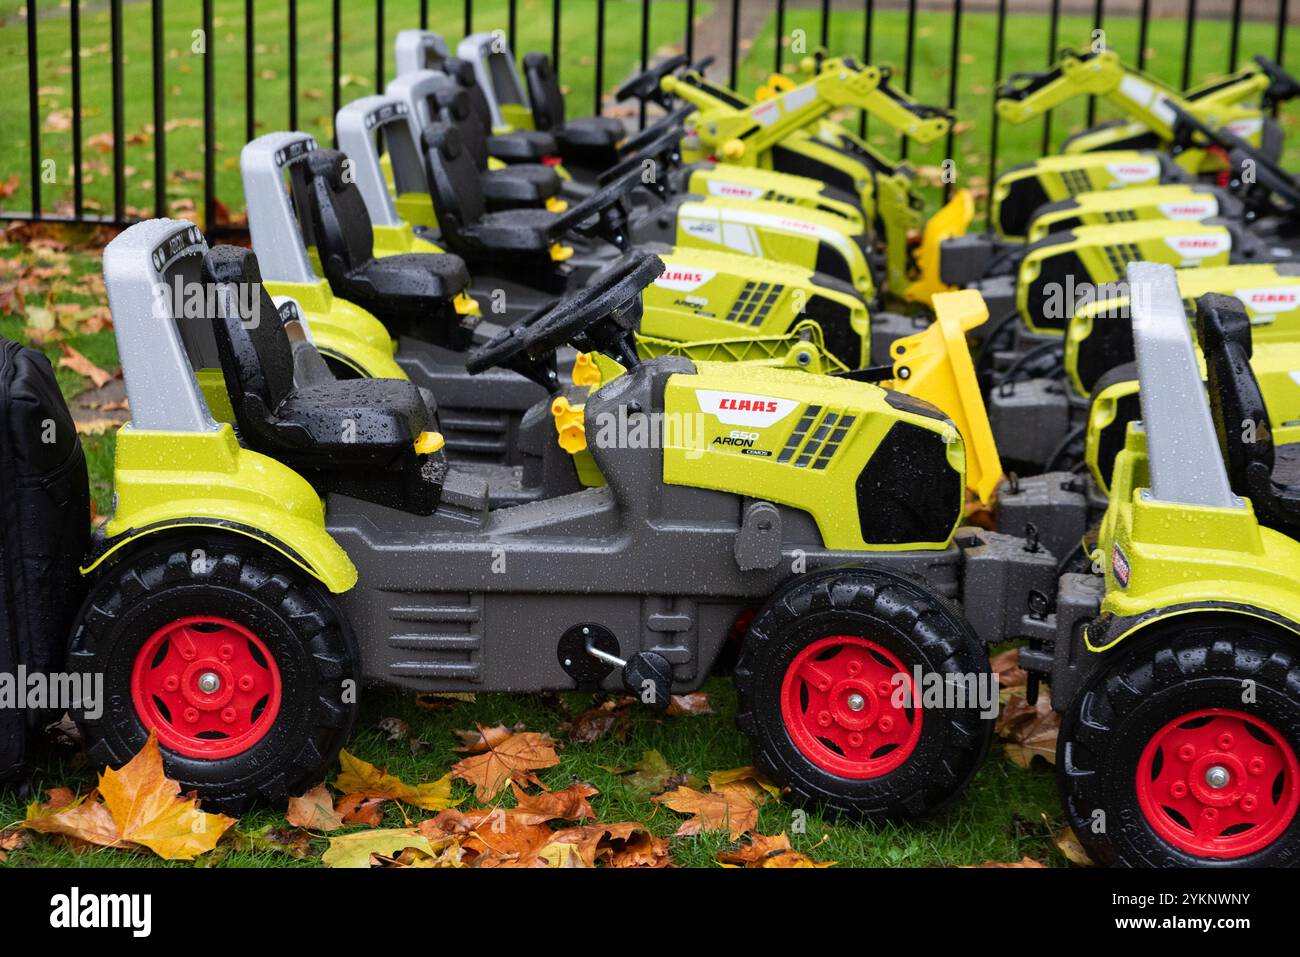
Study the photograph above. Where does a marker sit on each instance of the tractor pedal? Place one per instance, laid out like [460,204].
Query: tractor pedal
[649,677]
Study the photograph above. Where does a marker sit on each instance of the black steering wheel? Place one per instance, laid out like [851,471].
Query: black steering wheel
[664,152]
[645,85]
[656,130]
[1271,183]
[602,317]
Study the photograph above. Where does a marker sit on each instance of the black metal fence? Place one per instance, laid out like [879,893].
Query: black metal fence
[949,52]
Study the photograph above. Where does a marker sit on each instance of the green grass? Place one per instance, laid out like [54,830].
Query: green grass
[1026,49]
[183,82]
[1000,818]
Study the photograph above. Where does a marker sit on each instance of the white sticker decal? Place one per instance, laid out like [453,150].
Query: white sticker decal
[702,228]
[1133,171]
[684,278]
[735,190]
[1190,208]
[738,408]
[1200,246]
[1246,128]
[1139,91]
[1269,299]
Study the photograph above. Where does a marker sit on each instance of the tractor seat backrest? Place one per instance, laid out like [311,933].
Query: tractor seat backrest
[462,71]
[336,210]
[544,95]
[454,183]
[454,108]
[256,356]
[1240,416]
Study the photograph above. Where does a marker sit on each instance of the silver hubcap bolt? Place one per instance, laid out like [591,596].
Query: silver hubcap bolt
[209,682]
[1217,776]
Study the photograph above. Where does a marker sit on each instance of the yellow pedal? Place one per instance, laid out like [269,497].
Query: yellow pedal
[428,443]
[586,374]
[560,253]
[570,429]
[556,205]
[465,304]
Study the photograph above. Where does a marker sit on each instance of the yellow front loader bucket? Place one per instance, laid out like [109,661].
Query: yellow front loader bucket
[935,365]
[948,223]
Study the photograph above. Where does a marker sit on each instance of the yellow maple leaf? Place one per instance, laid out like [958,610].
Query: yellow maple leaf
[361,777]
[148,808]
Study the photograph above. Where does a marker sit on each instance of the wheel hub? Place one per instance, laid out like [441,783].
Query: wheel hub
[1218,783]
[207,685]
[841,710]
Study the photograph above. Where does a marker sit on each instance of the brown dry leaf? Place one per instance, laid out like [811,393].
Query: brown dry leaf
[85,820]
[569,804]
[1028,730]
[631,843]
[765,850]
[290,841]
[364,779]
[314,811]
[74,360]
[1023,862]
[1007,667]
[393,729]
[689,705]
[359,809]
[609,717]
[431,701]
[148,808]
[729,810]
[747,781]
[1068,844]
[11,841]
[513,758]
[642,849]
[483,739]
[96,426]
[9,187]
[491,837]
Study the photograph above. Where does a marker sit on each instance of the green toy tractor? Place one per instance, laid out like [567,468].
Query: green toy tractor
[1177,673]
[277,543]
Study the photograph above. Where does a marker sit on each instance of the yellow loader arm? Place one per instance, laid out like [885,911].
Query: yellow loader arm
[740,135]
[1136,95]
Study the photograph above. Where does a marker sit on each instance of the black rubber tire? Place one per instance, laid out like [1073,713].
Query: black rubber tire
[291,613]
[1188,664]
[913,623]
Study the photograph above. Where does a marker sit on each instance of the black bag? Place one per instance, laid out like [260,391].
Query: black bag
[44,535]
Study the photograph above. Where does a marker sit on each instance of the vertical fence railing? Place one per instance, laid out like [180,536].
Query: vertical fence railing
[724,25]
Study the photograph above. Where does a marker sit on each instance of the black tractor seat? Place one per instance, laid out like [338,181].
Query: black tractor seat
[1268,475]
[517,146]
[506,239]
[357,437]
[413,294]
[523,185]
[590,143]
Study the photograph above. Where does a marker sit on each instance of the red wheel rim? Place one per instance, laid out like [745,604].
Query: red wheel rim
[838,701]
[207,685]
[1218,783]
